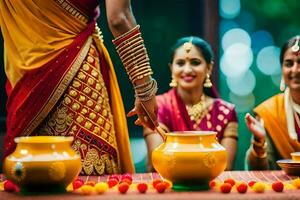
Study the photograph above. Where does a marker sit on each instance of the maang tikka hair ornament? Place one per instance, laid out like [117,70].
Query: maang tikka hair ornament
[188,45]
[295,47]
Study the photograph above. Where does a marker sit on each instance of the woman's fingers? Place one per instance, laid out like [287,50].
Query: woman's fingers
[249,119]
[138,122]
[132,112]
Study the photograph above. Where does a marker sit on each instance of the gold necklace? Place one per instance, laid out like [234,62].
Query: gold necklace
[196,111]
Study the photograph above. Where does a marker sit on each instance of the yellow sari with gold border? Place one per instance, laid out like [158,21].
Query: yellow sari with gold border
[273,113]
[48,46]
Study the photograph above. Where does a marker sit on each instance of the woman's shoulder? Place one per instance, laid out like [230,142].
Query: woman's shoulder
[274,101]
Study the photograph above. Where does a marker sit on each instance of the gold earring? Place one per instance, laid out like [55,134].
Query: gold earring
[173,83]
[282,85]
[207,82]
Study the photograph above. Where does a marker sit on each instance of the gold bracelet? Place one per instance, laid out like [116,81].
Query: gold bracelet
[135,60]
[262,144]
[127,33]
[129,41]
[142,76]
[135,67]
[138,69]
[264,155]
[130,45]
[137,74]
[131,51]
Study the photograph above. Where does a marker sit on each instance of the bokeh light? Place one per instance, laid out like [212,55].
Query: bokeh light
[235,35]
[276,79]
[267,60]
[236,60]
[261,39]
[226,25]
[247,17]
[242,85]
[242,103]
[229,9]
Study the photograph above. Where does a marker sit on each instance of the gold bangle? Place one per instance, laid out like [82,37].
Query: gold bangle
[131,44]
[138,69]
[262,144]
[264,155]
[138,74]
[142,76]
[131,50]
[135,60]
[125,34]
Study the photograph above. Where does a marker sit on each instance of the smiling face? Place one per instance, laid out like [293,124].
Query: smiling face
[291,69]
[189,68]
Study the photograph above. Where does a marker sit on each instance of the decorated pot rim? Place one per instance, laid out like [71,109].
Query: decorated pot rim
[297,153]
[43,139]
[190,133]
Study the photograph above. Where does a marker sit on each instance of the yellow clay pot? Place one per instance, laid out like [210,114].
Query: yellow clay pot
[42,163]
[190,159]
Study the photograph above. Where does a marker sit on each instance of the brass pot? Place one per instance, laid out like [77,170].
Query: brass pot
[190,159]
[42,163]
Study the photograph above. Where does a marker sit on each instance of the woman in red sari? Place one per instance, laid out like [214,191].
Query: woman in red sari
[192,104]
[61,81]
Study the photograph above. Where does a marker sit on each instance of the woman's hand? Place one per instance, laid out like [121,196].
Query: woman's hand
[146,111]
[256,127]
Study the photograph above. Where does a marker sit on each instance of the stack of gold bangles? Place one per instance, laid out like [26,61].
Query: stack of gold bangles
[131,49]
[262,145]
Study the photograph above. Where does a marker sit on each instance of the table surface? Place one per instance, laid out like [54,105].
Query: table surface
[212,194]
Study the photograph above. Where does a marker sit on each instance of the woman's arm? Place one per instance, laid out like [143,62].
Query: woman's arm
[119,16]
[133,54]
[229,141]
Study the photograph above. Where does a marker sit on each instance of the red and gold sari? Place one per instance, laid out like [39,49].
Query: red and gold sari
[217,115]
[61,81]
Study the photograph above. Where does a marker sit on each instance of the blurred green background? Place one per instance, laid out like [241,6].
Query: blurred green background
[245,36]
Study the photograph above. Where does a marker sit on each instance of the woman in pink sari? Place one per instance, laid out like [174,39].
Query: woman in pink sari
[61,81]
[192,104]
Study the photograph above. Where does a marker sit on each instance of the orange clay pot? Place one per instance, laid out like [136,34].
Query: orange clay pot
[190,159]
[42,163]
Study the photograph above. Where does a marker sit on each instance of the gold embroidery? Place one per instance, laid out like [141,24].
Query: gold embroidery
[85,114]
[76,84]
[92,116]
[87,90]
[58,123]
[94,95]
[86,67]
[73,93]
[67,100]
[71,9]
[75,106]
[89,103]
[97,108]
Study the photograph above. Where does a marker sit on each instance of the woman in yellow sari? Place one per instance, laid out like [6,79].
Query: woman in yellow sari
[276,128]
[61,82]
